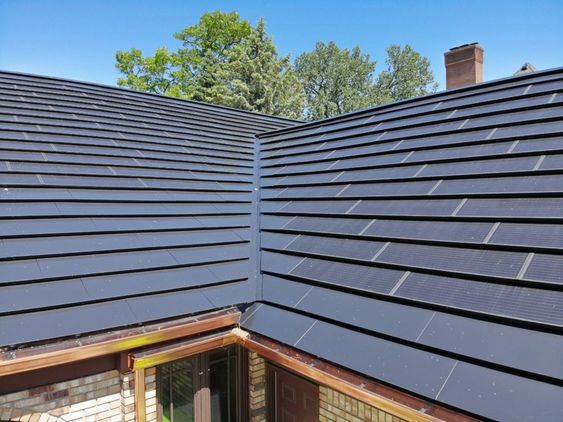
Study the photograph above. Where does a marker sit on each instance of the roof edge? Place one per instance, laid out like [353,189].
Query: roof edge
[436,95]
[133,91]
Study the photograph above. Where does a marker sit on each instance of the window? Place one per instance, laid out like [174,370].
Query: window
[202,388]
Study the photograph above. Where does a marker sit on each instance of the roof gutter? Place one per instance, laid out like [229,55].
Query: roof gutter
[13,362]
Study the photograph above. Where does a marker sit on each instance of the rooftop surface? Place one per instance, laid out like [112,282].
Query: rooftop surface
[418,243]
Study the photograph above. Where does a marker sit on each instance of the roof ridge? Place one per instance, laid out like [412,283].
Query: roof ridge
[414,100]
[133,91]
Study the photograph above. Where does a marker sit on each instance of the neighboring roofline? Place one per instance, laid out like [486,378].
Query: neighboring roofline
[133,91]
[410,101]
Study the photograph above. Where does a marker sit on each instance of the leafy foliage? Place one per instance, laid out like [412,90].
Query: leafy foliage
[408,75]
[335,80]
[223,60]
[339,80]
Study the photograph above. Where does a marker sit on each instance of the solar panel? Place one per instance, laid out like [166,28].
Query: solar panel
[513,207]
[430,230]
[550,183]
[442,207]
[279,263]
[311,191]
[415,370]
[378,174]
[511,301]
[328,225]
[547,268]
[160,306]
[36,326]
[539,145]
[276,240]
[390,189]
[393,319]
[539,129]
[282,291]
[500,396]
[496,343]
[284,326]
[357,276]
[546,235]
[483,166]
[115,285]
[346,163]
[459,152]
[358,249]
[19,298]
[318,206]
[241,292]
[474,261]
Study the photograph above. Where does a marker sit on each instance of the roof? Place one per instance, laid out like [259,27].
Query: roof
[418,243]
[421,244]
[120,207]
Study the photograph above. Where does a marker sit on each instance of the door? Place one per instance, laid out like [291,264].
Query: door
[202,388]
[290,397]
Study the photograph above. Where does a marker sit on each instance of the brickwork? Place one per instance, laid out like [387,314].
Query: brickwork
[338,407]
[98,397]
[127,397]
[257,387]
[150,394]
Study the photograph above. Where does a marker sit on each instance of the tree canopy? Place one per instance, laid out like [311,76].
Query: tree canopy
[335,80]
[225,60]
[339,80]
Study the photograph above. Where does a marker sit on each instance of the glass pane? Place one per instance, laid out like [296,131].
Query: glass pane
[183,391]
[176,391]
[164,391]
[222,385]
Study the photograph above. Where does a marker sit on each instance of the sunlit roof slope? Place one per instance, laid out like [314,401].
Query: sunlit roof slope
[118,207]
[421,244]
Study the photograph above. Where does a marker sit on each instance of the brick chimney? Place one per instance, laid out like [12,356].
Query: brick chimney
[464,65]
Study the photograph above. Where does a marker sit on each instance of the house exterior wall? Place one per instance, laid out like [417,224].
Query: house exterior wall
[257,387]
[107,396]
[338,407]
[334,406]
[150,395]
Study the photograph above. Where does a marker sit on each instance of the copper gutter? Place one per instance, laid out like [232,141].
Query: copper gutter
[28,359]
[375,394]
[180,350]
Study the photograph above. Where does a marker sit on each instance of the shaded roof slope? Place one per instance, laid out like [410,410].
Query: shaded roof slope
[118,207]
[421,244]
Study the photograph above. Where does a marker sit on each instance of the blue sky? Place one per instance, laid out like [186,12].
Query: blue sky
[78,39]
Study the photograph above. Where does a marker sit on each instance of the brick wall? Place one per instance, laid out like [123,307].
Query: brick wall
[257,387]
[100,397]
[334,406]
[338,407]
[150,394]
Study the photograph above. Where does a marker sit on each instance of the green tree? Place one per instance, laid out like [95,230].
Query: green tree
[408,75]
[339,80]
[335,80]
[223,60]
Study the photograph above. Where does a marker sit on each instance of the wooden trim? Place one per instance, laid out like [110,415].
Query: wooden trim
[179,350]
[118,341]
[348,383]
[140,400]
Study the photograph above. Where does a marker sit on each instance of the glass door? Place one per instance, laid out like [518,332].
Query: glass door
[202,388]
[176,382]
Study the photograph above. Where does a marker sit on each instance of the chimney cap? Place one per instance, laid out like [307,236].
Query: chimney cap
[464,45]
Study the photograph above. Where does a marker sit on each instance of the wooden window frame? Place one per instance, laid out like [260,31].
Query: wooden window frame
[202,392]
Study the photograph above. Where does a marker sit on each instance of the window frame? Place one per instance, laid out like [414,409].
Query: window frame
[201,384]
